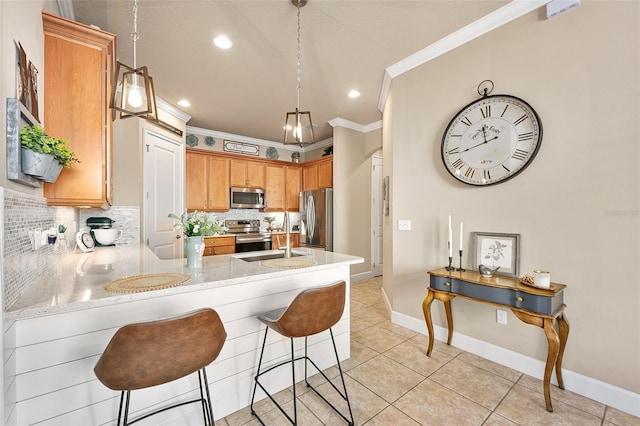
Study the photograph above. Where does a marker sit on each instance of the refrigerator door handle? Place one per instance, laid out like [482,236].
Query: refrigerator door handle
[311,217]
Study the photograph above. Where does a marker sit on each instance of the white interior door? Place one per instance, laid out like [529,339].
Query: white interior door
[376,215]
[163,194]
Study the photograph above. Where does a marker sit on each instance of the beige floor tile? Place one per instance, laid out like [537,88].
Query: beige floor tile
[451,351]
[392,416]
[364,403]
[387,378]
[621,418]
[526,407]
[432,404]
[496,420]
[481,386]
[360,323]
[413,355]
[578,401]
[244,416]
[359,354]
[377,338]
[357,307]
[276,418]
[315,379]
[401,331]
[373,316]
[502,371]
[370,298]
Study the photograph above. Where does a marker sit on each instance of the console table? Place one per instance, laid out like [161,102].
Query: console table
[539,307]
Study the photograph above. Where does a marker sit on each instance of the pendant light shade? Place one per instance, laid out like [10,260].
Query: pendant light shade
[298,127]
[132,92]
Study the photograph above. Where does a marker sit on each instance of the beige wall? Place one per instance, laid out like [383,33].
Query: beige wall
[576,206]
[20,21]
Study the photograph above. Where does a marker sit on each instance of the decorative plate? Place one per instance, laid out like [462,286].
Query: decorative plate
[272,153]
[192,140]
[209,141]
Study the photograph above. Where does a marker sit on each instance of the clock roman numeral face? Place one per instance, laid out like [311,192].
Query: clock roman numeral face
[491,140]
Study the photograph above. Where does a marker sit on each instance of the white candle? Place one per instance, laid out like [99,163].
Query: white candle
[461,228]
[450,241]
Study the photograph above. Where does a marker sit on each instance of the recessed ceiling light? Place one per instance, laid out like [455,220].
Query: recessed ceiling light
[222,42]
[184,103]
[354,94]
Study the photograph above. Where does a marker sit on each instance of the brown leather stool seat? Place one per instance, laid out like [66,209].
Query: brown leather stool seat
[312,311]
[152,353]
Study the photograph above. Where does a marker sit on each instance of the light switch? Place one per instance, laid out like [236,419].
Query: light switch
[404,225]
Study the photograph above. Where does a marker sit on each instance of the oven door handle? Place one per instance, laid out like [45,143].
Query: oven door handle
[245,239]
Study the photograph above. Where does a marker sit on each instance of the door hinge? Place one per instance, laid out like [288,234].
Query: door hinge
[147,147]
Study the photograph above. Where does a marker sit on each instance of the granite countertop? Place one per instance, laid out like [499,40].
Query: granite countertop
[78,281]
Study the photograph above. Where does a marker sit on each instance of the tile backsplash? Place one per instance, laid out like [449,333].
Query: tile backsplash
[22,265]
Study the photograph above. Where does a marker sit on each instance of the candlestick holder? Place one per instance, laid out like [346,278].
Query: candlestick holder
[450,268]
[461,269]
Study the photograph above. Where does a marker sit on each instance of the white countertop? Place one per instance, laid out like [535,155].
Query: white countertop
[78,281]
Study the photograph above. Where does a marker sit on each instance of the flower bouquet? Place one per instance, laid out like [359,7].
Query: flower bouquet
[198,224]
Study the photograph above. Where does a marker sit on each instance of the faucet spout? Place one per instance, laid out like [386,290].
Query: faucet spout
[287,229]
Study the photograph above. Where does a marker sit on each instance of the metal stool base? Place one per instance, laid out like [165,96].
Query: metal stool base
[292,361]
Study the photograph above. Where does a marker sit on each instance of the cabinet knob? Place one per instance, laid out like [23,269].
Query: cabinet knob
[205,204]
[448,284]
[519,299]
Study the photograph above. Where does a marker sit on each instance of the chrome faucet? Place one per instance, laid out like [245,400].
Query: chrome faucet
[287,229]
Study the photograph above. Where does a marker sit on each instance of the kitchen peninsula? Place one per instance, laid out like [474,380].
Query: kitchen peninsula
[60,326]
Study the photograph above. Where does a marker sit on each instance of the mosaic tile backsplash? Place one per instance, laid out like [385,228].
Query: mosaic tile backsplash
[24,213]
[23,265]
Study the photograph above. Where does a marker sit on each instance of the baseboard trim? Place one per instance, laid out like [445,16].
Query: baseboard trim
[361,276]
[608,394]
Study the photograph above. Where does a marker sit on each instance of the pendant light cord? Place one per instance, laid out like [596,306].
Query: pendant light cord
[134,34]
[299,85]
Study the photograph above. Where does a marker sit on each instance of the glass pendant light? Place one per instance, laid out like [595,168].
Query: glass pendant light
[133,93]
[298,127]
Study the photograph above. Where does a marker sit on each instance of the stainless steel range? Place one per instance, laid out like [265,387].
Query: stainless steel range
[248,235]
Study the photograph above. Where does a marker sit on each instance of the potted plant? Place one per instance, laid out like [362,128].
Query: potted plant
[295,156]
[44,156]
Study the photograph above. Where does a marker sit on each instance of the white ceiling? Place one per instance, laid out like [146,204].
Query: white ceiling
[247,89]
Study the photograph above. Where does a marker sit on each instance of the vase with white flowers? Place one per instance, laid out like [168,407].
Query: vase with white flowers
[195,226]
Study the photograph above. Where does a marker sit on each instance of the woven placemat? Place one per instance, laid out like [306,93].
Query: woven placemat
[291,263]
[146,282]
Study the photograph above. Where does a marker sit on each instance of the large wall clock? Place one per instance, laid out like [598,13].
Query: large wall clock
[491,140]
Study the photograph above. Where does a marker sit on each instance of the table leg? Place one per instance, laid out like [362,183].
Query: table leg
[563,326]
[426,309]
[447,310]
[554,346]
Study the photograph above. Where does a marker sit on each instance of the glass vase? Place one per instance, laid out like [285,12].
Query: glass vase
[194,248]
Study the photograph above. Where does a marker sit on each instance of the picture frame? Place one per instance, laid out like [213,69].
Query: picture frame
[385,192]
[497,249]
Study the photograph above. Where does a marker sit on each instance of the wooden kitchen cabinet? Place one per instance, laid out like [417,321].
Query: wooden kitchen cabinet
[293,186]
[279,240]
[207,182]
[247,174]
[219,245]
[283,186]
[78,64]
[318,174]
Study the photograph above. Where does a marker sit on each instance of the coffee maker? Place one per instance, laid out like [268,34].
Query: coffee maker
[99,223]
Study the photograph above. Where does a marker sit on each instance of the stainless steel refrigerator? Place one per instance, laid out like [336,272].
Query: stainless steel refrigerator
[316,217]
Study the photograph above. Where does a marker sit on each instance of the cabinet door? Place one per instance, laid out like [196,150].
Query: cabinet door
[310,177]
[218,183]
[238,173]
[275,188]
[78,63]
[196,176]
[293,186]
[256,174]
[325,174]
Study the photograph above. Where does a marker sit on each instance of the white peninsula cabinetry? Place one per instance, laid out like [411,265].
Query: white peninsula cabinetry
[58,329]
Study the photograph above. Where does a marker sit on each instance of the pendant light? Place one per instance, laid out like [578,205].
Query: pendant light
[133,93]
[298,128]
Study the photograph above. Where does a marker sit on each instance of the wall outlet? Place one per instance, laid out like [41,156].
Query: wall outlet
[404,225]
[501,316]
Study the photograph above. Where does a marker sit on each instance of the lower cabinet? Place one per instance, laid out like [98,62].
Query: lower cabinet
[279,240]
[219,245]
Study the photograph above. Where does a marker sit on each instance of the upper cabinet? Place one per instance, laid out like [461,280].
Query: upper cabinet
[78,65]
[283,186]
[207,182]
[318,174]
[249,174]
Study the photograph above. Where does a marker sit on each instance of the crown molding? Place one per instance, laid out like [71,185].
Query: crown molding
[490,22]
[263,142]
[170,109]
[362,128]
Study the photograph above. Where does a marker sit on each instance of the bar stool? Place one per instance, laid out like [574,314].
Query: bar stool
[151,353]
[312,311]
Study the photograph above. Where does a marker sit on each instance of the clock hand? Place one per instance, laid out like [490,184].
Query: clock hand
[481,143]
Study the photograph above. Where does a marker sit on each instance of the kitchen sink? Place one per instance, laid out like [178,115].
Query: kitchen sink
[266,257]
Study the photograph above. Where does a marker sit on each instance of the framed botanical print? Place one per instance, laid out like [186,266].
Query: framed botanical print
[493,249]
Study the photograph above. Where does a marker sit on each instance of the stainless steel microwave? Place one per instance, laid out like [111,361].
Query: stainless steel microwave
[247,198]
